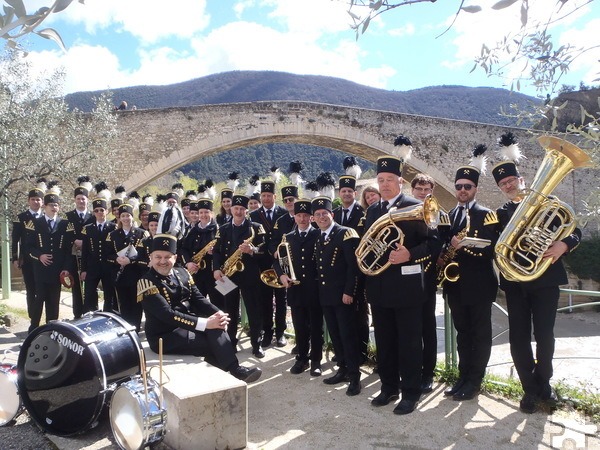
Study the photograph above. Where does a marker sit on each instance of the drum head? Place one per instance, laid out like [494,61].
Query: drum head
[60,379]
[126,419]
[10,403]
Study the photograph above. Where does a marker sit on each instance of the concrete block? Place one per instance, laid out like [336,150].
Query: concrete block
[206,407]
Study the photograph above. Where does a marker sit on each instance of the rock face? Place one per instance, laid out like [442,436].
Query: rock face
[570,108]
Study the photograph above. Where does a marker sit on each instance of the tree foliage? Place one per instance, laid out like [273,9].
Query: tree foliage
[41,137]
[16,22]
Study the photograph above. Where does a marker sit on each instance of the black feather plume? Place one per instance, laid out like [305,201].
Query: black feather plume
[209,183]
[83,179]
[349,161]
[101,186]
[479,150]
[119,189]
[507,139]
[233,175]
[134,194]
[402,140]
[296,167]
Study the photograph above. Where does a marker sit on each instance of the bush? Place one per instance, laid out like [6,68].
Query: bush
[585,260]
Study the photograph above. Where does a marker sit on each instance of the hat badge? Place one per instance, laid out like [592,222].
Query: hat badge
[384,163]
[467,171]
[166,242]
[303,206]
[501,170]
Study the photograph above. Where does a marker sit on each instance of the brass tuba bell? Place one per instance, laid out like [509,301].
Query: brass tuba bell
[540,218]
[372,251]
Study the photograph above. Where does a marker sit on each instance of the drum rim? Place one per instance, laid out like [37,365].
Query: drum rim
[11,375]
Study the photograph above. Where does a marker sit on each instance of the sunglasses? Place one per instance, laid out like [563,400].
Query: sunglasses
[289,200]
[466,187]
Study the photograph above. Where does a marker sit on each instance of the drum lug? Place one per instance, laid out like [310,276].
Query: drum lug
[109,389]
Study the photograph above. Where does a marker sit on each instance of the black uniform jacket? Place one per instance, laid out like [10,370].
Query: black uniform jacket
[401,285]
[116,241]
[302,256]
[356,214]
[227,244]
[283,225]
[556,274]
[477,280]
[19,238]
[95,249]
[337,271]
[58,243]
[259,216]
[196,240]
[171,302]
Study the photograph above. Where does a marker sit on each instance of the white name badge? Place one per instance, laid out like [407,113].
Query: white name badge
[411,270]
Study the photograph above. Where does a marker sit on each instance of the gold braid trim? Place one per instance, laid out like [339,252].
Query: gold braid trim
[491,218]
[350,234]
[145,287]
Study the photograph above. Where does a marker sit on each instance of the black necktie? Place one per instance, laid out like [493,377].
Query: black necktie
[303,234]
[384,205]
[458,217]
[50,224]
[323,236]
[81,217]
[100,227]
[34,215]
[345,218]
[269,215]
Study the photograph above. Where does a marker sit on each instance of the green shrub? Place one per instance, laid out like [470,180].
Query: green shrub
[585,260]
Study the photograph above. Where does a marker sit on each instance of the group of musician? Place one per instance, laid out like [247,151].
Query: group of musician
[188,270]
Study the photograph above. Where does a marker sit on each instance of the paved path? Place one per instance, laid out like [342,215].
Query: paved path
[298,411]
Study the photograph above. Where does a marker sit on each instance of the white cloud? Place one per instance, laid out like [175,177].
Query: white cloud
[147,20]
[405,30]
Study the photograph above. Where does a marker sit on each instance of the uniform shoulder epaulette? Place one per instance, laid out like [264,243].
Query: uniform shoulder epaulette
[84,231]
[145,287]
[29,225]
[70,227]
[491,218]
[218,234]
[444,219]
[351,234]
[276,226]
[260,230]
[108,238]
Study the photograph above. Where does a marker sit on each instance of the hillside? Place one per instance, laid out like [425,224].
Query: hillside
[454,102]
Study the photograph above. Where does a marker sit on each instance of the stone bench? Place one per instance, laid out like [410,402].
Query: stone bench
[206,407]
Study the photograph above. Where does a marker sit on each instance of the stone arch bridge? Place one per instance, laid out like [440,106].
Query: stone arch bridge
[157,141]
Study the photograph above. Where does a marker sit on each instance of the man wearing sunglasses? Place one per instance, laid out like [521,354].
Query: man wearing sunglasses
[471,296]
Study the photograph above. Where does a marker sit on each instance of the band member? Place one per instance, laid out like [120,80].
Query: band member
[153,219]
[241,240]
[350,214]
[95,267]
[125,244]
[117,200]
[303,297]
[470,297]
[423,185]
[177,313]
[224,215]
[20,257]
[368,196]
[396,295]
[201,239]
[254,202]
[79,217]
[267,215]
[284,223]
[531,301]
[49,242]
[337,274]
[144,210]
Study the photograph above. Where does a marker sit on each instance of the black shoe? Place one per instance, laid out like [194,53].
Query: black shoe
[266,343]
[246,374]
[339,377]
[315,369]
[299,367]
[258,352]
[427,385]
[384,398]
[454,389]
[405,407]
[468,392]
[281,341]
[294,350]
[355,386]
[528,404]
[549,397]
[334,358]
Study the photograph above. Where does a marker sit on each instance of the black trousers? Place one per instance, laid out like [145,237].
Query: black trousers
[340,320]
[251,298]
[361,317]
[214,345]
[398,337]
[308,327]
[48,295]
[429,336]
[29,280]
[473,325]
[76,293]
[537,306]
[273,302]
[90,297]
[129,307]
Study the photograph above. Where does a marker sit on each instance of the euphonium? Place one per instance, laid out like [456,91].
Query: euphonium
[540,218]
[373,250]
[284,256]
[234,263]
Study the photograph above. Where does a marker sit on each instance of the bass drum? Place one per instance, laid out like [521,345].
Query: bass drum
[10,401]
[137,418]
[68,369]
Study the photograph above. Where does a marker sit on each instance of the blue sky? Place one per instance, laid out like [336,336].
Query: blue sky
[117,43]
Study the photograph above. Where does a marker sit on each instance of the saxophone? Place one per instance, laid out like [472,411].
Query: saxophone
[234,263]
[198,258]
[448,268]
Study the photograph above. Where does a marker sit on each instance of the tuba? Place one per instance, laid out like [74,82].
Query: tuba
[540,218]
[284,256]
[373,249]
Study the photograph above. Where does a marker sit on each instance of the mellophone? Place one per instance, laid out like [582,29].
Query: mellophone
[68,372]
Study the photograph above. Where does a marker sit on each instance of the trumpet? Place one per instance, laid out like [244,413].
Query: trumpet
[372,251]
[269,276]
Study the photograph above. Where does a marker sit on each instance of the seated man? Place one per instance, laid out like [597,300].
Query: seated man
[177,312]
